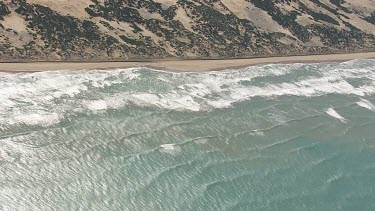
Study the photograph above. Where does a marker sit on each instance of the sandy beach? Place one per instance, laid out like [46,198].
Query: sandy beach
[180,65]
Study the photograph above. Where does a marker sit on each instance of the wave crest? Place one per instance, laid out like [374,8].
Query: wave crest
[52,95]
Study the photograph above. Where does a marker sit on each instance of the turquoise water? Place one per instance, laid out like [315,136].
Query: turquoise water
[271,137]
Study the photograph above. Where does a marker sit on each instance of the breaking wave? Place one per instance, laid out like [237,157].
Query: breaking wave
[255,138]
[45,98]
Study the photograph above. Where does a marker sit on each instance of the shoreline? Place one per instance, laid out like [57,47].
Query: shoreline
[198,65]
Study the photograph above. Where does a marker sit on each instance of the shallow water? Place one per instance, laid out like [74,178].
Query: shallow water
[271,137]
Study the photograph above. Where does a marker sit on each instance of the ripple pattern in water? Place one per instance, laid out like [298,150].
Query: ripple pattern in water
[271,137]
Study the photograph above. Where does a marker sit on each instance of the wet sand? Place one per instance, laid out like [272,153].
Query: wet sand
[180,65]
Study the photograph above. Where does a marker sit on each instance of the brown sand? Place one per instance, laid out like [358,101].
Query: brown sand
[180,65]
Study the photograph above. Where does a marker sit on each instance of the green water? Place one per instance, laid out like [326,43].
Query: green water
[273,137]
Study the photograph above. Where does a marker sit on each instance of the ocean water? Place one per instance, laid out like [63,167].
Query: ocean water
[270,137]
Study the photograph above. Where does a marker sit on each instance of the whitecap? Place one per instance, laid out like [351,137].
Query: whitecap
[257,133]
[33,119]
[366,104]
[332,112]
[170,148]
[63,92]
[201,141]
[173,100]
[97,105]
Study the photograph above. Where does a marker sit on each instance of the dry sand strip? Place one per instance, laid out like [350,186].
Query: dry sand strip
[181,65]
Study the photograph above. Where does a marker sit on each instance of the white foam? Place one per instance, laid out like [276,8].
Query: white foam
[201,141]
[64,92]
[332,112]
[172,100]
[44,119]
[257,133]
[146,97]
[168,146]
[97,105]
[170,149]
[53,91]
[366,104]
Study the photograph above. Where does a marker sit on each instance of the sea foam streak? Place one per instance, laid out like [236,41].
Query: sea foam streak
[52,94]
